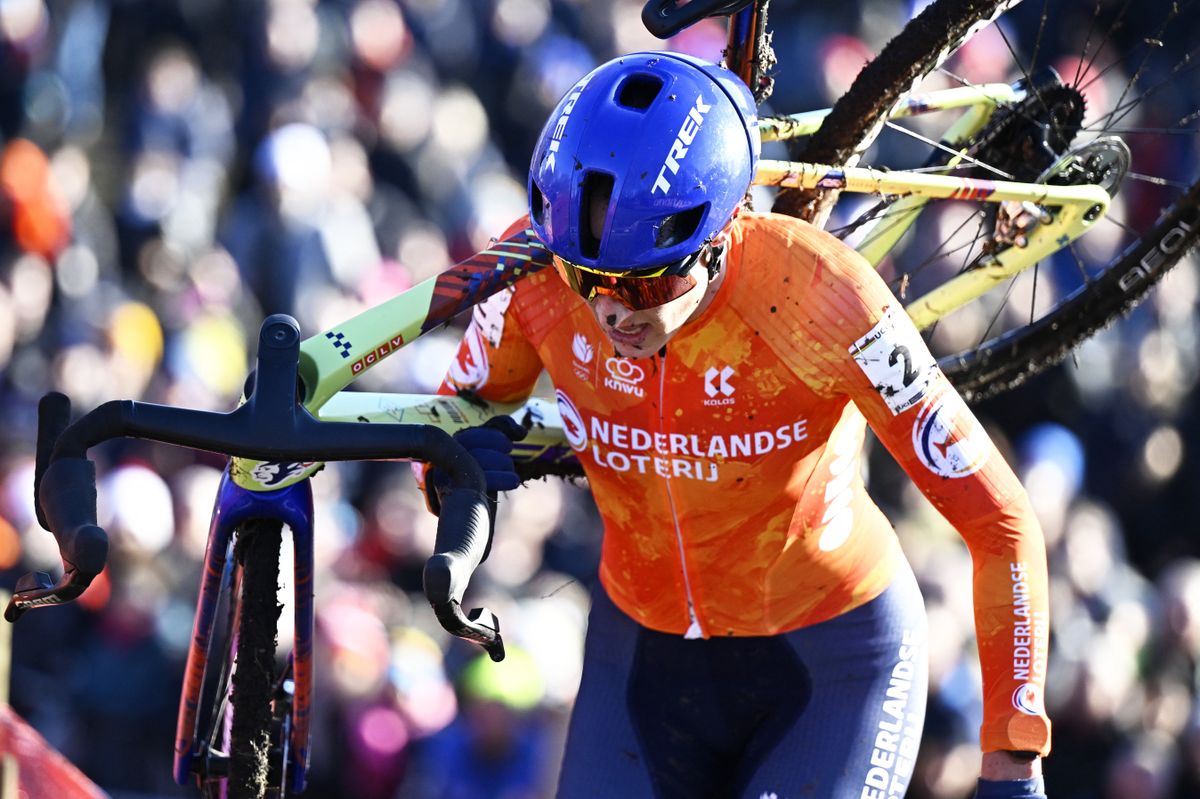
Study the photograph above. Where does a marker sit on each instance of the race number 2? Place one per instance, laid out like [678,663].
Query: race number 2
[896,361]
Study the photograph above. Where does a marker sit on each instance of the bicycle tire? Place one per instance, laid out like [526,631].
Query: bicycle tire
[215,690]
[1005,360]
[1008,360]
[257,551]
[858,115]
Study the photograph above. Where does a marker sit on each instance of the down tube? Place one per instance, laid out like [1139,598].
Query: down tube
[234,505]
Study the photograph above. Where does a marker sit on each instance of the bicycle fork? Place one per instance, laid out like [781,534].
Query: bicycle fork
[234,505]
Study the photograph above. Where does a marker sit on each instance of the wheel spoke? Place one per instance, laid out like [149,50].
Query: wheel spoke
[1122,225]
[1176,131]
[999,310]
[1087,279]
[1176,184]
[1087,43]
[1081,71]
[950,150]
[1033,302]
[1037,42]
[1141,67]
[1138,99]
[945,251]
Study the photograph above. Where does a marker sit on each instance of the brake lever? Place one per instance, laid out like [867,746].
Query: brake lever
[480,626]
[38,589]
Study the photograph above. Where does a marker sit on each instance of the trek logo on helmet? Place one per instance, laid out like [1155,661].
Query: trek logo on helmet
[560,127]
[683,140]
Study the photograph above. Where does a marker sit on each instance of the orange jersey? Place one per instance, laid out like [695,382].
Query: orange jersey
[727,468]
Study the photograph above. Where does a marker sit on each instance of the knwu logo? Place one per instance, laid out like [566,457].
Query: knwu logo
[624,376]
[716,381]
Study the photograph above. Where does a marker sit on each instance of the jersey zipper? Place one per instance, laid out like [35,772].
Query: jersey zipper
[694,629]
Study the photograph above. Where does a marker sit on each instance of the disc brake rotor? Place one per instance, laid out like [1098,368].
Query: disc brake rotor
[1102,162]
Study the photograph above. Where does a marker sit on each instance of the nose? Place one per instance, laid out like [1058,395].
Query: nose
[609,311]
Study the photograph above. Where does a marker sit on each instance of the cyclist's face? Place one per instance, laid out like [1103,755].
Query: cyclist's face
[641,333]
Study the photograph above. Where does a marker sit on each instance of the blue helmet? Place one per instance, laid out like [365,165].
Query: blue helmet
[668,142]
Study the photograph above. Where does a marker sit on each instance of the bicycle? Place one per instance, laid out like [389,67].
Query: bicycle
[255,736]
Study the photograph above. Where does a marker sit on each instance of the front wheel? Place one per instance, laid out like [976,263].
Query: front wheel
[254,679]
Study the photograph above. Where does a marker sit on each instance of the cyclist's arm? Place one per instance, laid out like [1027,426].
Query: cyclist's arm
[881,362]
[495,360]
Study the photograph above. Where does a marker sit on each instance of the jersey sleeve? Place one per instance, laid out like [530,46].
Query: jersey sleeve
[875,355]
[495,359]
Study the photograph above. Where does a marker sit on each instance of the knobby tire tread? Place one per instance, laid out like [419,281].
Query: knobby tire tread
[853,122]
[1008,360]
[257,550]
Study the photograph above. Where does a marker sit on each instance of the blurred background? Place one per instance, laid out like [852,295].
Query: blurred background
[172,169]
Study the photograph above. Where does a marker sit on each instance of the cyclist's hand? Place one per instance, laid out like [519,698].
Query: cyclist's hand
[1016,220]
[490,444]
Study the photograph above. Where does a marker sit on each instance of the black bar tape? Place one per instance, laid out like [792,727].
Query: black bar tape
[664,18]
[464,528]
[54,414]
[67,496]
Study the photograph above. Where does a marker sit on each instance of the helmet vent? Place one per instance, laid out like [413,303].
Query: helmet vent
[638,91]
[678,228]
[593,211]
[537,204]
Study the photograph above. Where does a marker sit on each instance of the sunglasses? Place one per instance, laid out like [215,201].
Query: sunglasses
[637,291]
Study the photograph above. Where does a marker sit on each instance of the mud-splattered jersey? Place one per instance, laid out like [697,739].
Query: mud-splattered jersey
[727,468]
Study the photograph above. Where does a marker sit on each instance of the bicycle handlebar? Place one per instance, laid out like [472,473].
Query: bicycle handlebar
[271,425]
[665,18]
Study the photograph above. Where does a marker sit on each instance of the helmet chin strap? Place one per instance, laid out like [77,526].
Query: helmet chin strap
[715,257]
[716,246]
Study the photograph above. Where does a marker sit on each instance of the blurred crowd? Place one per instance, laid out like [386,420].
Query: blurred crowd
[172,170]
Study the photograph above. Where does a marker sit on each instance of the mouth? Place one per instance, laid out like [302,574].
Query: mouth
[630,336]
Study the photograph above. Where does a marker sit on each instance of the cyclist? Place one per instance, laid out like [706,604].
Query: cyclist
[758,631]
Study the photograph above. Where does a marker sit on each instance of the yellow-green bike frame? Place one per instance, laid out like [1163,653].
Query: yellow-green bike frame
[331,360]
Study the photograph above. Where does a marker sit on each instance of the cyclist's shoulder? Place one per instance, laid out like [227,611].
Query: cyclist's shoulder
[522,227]
[788,268]
[538,301]
[784,240]
[773,248]
[769,224]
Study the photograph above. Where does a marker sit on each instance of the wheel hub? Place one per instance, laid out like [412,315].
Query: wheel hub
[1102,162]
